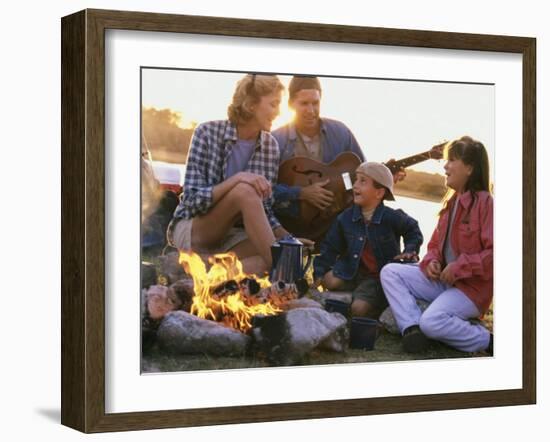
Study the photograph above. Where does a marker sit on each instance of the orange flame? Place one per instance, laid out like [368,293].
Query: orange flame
[234,310]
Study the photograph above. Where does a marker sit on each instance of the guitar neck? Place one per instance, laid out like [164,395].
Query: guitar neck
[397,165]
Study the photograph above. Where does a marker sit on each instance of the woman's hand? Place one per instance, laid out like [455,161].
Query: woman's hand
[279,232]
[433,270]
[258,182]
[447,275]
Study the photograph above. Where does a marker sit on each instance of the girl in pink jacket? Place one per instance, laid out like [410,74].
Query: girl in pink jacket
[456,275]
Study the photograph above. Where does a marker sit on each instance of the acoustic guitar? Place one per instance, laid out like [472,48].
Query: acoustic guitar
[313,223]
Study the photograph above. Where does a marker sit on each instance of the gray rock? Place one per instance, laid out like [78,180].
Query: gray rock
[311,327]
[161,300]
[388,321]
[184,292]
[337,342]
[340,296]
[170,268]
[148,325]
[148,274]
[302,303]
[183,333]
[289,338]
[144,310]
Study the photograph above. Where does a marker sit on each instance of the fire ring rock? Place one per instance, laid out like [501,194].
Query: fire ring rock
[311,327]
[302,303]
[148,274]
[170,267]
[183,333]
[288,338]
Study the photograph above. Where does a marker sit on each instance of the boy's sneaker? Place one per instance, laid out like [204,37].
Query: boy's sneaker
[414,341]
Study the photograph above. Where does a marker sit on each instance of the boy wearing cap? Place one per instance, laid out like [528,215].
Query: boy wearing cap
[363,239]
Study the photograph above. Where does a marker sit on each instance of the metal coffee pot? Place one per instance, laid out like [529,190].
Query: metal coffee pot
[287,257]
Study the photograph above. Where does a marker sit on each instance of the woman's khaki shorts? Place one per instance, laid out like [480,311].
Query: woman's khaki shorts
[181,238]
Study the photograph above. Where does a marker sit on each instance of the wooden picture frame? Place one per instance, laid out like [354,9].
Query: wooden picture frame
[83,219]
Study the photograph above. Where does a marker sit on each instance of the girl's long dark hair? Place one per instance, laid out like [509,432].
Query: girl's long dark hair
[472,153]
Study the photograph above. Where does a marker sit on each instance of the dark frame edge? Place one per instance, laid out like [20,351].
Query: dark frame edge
[197,24]
[137,421]
[95,284]
[83,218]
[73,213]
[529,219]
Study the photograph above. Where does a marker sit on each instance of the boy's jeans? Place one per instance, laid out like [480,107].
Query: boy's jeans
[445,320]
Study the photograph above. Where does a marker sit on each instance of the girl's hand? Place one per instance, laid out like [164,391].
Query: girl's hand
[433,270]
[408,257]
[447,275]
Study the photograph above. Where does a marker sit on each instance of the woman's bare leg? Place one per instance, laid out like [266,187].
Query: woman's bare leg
[253,264]
[240,202]
[244,249]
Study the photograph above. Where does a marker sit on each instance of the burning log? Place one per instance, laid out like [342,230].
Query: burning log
[249,287]
[184,292]
[226,294]
[226,288]
[223,310]
[279,294]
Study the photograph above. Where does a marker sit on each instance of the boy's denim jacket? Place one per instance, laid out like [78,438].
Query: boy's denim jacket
[343,246]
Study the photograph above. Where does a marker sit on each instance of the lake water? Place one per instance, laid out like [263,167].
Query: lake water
[425,212]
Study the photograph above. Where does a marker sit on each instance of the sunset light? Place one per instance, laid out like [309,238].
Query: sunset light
[389,118]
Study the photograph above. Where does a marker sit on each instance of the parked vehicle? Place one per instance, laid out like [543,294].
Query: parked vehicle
[169,175]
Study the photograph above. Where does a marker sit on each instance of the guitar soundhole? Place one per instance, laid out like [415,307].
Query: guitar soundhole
[308,172]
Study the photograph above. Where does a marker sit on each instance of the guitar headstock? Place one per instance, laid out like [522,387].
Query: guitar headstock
[437,151]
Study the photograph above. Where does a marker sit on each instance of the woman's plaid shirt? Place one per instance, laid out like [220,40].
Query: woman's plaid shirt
[206,163]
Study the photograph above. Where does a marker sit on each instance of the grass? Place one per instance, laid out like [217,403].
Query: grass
[388,348]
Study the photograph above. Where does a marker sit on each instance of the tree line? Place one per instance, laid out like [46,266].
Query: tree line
[163,135]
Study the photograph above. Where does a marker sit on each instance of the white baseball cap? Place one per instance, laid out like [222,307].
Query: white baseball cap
[381,174]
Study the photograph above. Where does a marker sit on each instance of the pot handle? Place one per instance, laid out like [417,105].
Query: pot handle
[308,263]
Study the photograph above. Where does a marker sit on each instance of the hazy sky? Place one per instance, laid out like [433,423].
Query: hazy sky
[390,118]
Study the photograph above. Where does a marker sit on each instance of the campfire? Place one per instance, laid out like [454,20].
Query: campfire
[229,296]
[214,308]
